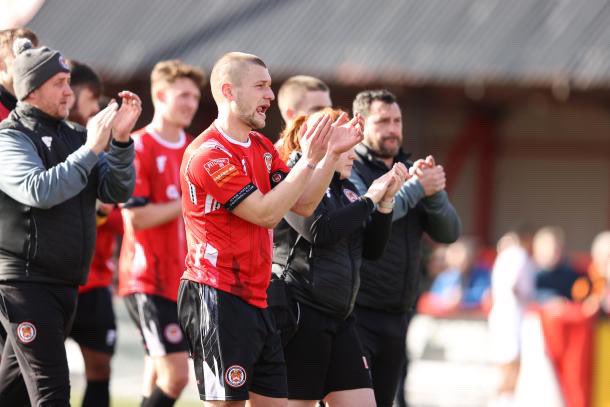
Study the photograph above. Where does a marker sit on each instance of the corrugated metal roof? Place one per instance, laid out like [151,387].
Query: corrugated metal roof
[350,41]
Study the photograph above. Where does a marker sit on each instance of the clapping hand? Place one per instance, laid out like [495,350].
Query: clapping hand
[345,133]
[314,140]
[127,115]
[431,176]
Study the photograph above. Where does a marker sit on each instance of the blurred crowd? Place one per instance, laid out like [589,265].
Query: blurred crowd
[529,270]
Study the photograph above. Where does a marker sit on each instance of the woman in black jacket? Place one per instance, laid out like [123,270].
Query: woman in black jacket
[325,360]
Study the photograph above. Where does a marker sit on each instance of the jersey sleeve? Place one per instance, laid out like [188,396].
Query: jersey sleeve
[142,191]
[279,169]
[220,175]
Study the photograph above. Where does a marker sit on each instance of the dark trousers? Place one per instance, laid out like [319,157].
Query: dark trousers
[36,318]
[383,335]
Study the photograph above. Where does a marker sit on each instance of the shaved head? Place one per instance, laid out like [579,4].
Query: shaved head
[293,100]
[231,68]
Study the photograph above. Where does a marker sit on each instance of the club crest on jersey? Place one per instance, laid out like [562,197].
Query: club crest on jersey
[172,192]
[47,141]
[276,177]
[26,332]
[268,161]
[235,376]
[351,195]
[173,333]
[161,160]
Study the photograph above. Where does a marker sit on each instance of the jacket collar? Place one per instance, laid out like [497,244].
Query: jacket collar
[366,154]
[7,99]
[29,112]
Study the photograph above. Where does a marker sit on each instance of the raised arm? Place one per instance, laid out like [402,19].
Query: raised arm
[116,170]
[25,178]
[345,135]
[267,210]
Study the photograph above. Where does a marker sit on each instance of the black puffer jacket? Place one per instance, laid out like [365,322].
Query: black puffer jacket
[391,283]
[329,246]
[49,237]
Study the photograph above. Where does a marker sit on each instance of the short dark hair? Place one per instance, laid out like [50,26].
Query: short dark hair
[364,100]
[82,75]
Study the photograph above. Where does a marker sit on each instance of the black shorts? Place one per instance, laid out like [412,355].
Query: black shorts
[383,335]
[325,355]
[234,345]
[36,318]
[157,320]
[94,325]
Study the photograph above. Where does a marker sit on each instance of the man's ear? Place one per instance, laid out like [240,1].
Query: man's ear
[227,91]
[290,114]
[160,95]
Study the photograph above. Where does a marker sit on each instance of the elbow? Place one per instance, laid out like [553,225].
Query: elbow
[132,220]
[304,211]
[269,221]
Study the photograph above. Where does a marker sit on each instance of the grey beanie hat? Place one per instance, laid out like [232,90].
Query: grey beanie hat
[34,66]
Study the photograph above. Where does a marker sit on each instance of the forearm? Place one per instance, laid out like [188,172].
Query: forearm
[333,226]
[152,214]
[443,223]
[117,173]
[377,234]
[25,179]
[406,198]
[277,202]
[317,185]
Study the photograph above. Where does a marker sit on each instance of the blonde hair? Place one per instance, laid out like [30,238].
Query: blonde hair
[167,72]
[292,92]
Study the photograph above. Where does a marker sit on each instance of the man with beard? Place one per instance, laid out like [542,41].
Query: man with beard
[94,327]
[53,173]
[8,101]
[235,189]
[390,285]
[154,242]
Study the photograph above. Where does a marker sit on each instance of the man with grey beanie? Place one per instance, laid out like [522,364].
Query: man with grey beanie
[52,173]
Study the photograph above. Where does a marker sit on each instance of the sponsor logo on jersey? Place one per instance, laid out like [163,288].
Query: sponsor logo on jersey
[161,160]
[351,195]
[235,376]
[173,333]
[221,170]
[26,332]
[268,161]
[47,141]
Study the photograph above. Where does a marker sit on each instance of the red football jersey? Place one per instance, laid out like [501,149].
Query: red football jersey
[225,251]
[103,266]
[4,112]
[152,260]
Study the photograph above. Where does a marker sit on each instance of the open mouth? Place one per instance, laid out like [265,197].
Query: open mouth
[262,109]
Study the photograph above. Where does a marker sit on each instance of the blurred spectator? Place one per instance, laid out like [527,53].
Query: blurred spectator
[512,287]
[464,284]
[555,277]
[8,101]
[599,274]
